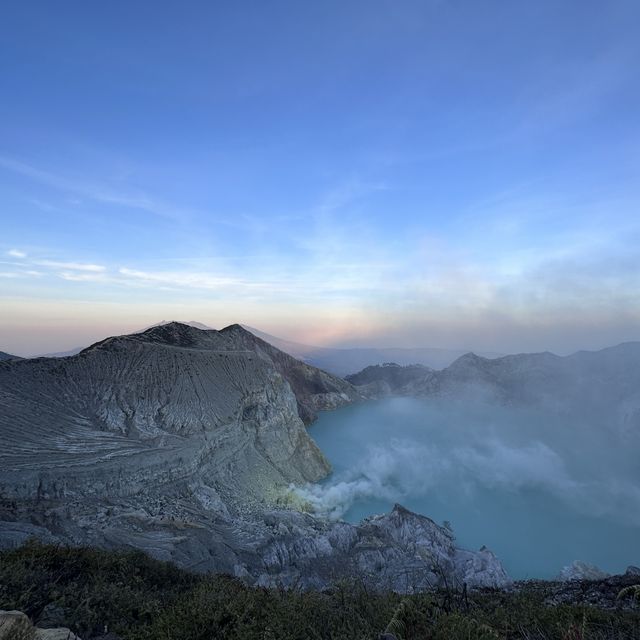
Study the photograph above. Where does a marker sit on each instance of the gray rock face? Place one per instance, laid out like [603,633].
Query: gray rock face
[400,550]
[315,390]
[165,406]
[182,443]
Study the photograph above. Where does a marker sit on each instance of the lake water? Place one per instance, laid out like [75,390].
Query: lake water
[537,489]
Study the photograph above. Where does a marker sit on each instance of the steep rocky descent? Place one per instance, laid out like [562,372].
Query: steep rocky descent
[315,389]
[177,441]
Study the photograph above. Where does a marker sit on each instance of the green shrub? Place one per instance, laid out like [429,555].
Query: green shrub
[144,599]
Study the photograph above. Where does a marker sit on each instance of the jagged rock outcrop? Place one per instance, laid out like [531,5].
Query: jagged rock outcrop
[182,442]
[401,550]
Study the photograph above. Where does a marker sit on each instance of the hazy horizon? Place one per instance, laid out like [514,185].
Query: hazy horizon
[419,174]
[94,336]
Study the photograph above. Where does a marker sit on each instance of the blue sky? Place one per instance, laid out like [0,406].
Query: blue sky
[438,173]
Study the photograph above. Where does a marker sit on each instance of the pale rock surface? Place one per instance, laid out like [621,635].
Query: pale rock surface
[578,570]
[183,443]
[15,625]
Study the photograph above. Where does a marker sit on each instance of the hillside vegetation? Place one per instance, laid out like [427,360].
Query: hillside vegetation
[127,593]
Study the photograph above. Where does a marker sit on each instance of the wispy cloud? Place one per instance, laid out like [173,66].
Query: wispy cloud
[182,279]
[75,266]
[74,276]
[28,266]
[133,199]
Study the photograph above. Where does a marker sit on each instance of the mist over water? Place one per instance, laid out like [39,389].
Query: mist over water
[539,489]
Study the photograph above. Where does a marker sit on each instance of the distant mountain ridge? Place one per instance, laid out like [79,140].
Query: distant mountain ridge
[396,378]
[344,361]
[8,356]
[338,361]
[603,383]
[74,351]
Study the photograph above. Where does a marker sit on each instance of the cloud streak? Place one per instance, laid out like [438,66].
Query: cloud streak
[98,192]
[74,266]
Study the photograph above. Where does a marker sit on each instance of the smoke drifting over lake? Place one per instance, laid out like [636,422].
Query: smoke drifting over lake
[499,474]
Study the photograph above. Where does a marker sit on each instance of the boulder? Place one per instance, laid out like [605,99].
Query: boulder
[15,625]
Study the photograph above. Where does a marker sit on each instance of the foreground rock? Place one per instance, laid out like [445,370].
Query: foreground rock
[15,625]
[400,551]
[182,443]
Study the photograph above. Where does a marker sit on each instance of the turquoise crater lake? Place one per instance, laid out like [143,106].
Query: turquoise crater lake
[539,490]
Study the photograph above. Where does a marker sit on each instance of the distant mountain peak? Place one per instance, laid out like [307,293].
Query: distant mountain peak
[237,328]
[468,360]
[176,333]
[191,323]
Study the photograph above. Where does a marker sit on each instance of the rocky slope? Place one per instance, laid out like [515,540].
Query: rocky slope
[182,442]
[8,356]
